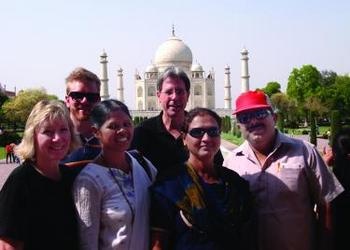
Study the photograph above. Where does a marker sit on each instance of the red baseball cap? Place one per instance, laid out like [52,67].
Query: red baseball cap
[252,100]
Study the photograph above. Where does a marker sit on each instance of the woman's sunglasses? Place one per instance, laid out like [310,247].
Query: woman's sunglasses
[199,132]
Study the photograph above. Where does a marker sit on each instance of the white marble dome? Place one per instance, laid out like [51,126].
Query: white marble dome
[151,68]
[197,67]
[173,52]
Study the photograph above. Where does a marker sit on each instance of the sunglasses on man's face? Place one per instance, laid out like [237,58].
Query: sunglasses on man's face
[79,96]
[199,132]
[260,114]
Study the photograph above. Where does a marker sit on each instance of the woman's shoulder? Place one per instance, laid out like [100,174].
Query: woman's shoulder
[171,173]
[22,171]
[93,172]
[232,175]
[19,177]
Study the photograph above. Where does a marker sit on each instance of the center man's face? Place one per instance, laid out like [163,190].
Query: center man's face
[257,126]
[81,99]
[173,96]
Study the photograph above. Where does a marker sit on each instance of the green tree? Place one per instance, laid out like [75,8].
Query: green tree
[226,124]
[342,94]
[272,88]
[282,104]
[335,123]
[304,83]
[3,99]
[313,130]
[327,95]
[328,78]
[17,110]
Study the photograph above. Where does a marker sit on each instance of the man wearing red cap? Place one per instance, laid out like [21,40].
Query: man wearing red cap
[287,176]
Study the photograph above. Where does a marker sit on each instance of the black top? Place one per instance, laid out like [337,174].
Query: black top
[37,210]
[89,150]
[153,140]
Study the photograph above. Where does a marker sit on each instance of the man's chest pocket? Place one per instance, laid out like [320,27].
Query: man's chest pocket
[290,175]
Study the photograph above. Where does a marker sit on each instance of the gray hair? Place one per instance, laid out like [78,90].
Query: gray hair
[174,73]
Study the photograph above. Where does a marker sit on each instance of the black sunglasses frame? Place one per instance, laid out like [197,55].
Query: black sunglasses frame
[260,114]
[199,132]
[79,96]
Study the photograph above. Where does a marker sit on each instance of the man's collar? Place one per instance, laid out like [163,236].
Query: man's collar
[160,125]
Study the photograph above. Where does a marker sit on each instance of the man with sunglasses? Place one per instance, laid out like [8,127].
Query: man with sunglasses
[82,94]
[159,138]
[291,183]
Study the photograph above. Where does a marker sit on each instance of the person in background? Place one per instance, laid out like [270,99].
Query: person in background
[200,205]
[159,138]
[36,205]
[82,94]
[9,153]
[288,179]
[111,194]
[339,159]
[15,157]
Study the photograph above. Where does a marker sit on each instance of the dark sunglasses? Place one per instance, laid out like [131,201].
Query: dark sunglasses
[199,132]
[79,96]
[260,114]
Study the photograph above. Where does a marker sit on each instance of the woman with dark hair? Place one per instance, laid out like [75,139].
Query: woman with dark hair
[341,205]
[111,194]
[197,204]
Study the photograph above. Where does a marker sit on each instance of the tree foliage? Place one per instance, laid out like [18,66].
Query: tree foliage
[17,110]
[335,123]
[342,94]
[303,83]
[313,129]
[272,88]
[3,98]
[281,103]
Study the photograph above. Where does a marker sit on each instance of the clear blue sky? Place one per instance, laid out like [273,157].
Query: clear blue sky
[42,41]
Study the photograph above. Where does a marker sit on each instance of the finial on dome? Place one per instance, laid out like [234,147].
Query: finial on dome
[173,30]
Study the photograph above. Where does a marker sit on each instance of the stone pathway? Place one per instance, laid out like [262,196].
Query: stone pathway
[5,170]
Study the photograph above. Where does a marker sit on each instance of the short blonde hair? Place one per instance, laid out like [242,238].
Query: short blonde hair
[84,76]
[43,111]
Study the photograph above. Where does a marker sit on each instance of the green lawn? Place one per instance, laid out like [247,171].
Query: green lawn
[231,138]
[299,131]
[2,153]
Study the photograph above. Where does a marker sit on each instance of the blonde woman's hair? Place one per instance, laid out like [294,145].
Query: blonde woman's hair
[45,110]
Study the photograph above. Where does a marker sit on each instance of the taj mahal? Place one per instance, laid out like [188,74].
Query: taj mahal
[174,52]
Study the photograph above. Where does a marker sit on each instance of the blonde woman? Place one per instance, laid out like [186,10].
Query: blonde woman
[36,206]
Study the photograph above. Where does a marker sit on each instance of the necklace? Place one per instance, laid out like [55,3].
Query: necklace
[124,195]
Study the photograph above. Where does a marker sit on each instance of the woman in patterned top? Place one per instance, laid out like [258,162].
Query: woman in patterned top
[198,204]
[111,194]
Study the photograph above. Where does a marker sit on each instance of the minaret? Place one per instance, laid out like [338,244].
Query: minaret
[104,77]
[120,85]
[227,88]
[244,70]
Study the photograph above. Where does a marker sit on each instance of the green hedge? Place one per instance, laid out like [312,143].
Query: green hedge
[9,137]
